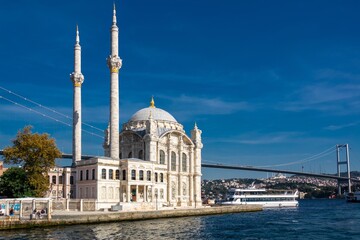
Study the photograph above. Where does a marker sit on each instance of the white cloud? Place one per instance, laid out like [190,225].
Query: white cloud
[260,139]
[340,98]
[338,127]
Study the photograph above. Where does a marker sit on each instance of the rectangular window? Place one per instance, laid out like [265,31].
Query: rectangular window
[60,179]
[117,174]
[111,174]
[103,173]
[133,175]
[93,174]
[124,174]
[148,175]
[87,174]
[141,175]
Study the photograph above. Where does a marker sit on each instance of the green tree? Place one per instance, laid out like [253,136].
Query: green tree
[36,153]
[14,183]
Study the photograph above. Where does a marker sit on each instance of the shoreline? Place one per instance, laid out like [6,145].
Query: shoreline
[63,218]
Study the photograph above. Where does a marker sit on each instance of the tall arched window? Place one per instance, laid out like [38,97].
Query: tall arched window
[161,177]
[54,179]
[148,175]
[81,175]
[141,154]
[141,175]
[173,161]
[93,174]
[130,155]
[184,162]
[133,174]
[71,180]
[87,174]
[162,157]
[103,173]
[156,177]
[124,174]
[111,174]
[117,174]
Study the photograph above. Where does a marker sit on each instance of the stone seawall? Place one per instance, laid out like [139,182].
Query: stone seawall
[71,218]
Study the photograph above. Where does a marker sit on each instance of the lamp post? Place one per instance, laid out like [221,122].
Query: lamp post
[57,184]
[156,201]
[195,200]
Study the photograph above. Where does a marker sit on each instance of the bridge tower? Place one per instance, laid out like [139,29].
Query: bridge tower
[77,78]
[339,163]
[114,63]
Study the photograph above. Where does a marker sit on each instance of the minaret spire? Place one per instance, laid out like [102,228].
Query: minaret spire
[77,78]
[114,15]
[77,41]
[114,63]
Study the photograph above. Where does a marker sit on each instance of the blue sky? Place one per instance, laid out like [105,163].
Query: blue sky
[268,82]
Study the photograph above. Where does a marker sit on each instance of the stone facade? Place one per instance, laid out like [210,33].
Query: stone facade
[149,164]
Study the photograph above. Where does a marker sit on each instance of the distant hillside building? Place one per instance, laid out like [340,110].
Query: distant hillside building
[150,161]
[2,169]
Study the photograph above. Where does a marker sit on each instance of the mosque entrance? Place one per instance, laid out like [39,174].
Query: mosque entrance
[133,193]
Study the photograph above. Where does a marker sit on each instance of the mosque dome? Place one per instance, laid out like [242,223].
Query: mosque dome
[155,113]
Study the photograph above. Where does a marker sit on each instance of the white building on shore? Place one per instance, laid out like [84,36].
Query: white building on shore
[150,163]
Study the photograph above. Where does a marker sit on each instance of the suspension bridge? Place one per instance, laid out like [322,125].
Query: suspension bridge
[216,165]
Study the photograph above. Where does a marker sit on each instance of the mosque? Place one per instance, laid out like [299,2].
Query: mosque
[149,163]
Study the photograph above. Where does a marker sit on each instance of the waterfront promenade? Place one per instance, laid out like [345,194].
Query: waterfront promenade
[74,217]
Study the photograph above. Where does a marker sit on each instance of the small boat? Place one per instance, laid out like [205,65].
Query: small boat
[353,197]
[264,197]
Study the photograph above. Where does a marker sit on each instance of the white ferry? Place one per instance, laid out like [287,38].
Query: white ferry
[267,198]
[353,197]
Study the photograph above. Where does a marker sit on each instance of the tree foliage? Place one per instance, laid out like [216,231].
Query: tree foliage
[14,183]
[36,153]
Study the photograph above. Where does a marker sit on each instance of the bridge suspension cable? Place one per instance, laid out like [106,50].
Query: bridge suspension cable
[324,153]
[47,116]
[47,108]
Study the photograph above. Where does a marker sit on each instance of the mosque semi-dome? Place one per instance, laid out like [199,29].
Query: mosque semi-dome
[155,113]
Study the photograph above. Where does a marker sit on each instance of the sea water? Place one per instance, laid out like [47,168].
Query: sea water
[313,219]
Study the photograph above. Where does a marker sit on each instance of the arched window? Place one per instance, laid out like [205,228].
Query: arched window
[71,180]
[103,173]
[111,174]
[173,161]
[161,177]
[93,174]
[148,175]
[87,174]
[184,162]
[141,154]
[133,174]
[124,174]
[117,174]
[130,155]
[54,179]
[156,177]
[141,175]
[162,157]
[60,179]
[81,175]
[120,155]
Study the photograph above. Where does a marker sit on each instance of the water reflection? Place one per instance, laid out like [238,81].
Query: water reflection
[150,229]
[176,228]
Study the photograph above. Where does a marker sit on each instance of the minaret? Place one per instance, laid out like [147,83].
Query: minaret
[77,78]
[114,63]
[196,138]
